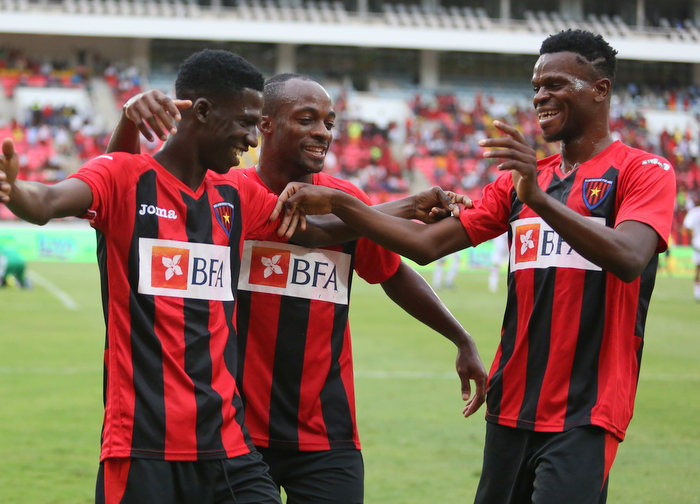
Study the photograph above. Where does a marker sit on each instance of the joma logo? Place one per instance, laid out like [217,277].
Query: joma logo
[160,212]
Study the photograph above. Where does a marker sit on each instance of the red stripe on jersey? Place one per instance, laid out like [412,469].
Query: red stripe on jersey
[120,397]
[258,367]
[551,408]
[317,356]
[616,396]
[180,430]
[515,368]
[224,384]
[348,376]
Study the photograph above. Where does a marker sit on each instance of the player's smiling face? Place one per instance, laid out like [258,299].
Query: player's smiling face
[564,85]
[232,129]
[302,128]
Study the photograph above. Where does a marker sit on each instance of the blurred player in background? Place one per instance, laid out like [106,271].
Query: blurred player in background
[295,367]
[692,223]
[446,268]
[586,227]
[13,268]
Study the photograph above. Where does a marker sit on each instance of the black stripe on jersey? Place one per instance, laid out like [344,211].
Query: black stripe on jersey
[646,287]
[583,381]
[494,393]
[334,399]
[243,301]
[335,403]
[146,350]
[286,387]
[198,364]
[539,330]
[231,353]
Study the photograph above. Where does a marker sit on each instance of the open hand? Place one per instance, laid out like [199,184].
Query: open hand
[9,168]
[520,159]
[155,112]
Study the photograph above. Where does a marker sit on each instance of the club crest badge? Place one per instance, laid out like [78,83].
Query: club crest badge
[595,191]
[224,215]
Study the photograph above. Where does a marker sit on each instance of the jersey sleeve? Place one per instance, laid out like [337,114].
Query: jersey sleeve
[488,218]
[103,174]
[257,204]
[373,263]
[648,192]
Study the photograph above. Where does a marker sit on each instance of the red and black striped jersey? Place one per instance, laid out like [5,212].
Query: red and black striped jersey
[168,258]
[295,366]
[572,336]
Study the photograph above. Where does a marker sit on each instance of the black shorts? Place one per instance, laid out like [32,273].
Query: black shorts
[526,467]
[145,481]
[317,477]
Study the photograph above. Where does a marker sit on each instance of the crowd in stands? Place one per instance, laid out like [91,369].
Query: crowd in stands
[437,144]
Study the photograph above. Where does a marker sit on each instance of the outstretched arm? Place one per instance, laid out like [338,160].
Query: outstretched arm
[624,250]
[35,202]
[148,113]
[428,206]
[422,243]
[408,289]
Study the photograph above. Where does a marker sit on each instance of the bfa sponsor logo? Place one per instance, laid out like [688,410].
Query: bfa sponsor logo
[536,245]
[284,269]
[167,267]
[187,270]
[269,266]
[528,236]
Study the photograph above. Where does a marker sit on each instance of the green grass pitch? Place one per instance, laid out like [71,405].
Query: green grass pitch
[417,447]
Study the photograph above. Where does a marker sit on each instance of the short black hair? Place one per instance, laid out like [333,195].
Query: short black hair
[272,91]
[216,73]
[588,45]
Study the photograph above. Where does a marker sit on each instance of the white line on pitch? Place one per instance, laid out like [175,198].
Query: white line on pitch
[63,297]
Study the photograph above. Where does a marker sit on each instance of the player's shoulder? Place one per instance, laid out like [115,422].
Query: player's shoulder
[635,158]
[326,180]
[549,162]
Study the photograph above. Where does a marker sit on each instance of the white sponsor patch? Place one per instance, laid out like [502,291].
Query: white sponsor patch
[537,245]
[185,270]
[290,270]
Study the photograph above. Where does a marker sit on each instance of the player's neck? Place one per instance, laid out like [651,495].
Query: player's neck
[277,177]
[580,150]
[182,164]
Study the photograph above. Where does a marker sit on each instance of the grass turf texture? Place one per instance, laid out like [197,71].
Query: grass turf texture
[417,447]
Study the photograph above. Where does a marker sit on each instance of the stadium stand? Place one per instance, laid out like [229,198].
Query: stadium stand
[433,143]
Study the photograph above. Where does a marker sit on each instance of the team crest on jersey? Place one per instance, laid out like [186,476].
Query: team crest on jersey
[290,270]
[595,191]
[224,215]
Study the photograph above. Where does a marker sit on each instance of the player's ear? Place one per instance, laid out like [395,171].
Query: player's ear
[602,89]
[202,108]
[265,125]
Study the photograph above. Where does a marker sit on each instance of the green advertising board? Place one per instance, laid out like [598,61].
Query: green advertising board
[74,240]
[70,241]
